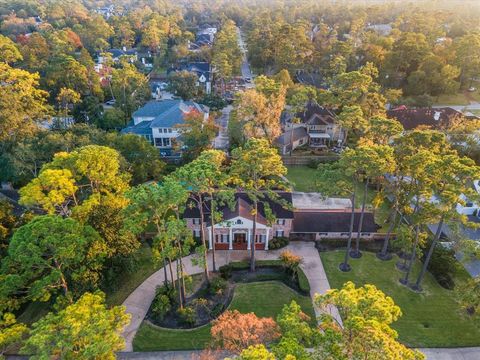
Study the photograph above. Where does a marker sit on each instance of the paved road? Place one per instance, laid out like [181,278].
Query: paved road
[222,141]
[245,68]
[139,301]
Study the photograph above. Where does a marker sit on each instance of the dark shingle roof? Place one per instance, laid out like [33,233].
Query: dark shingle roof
[438,118]
[243,208]
[315,114]
[331,221]
[286,137]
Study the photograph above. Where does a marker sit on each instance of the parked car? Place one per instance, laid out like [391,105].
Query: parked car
[472,89]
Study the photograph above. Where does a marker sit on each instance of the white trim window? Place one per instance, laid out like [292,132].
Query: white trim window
[279,233]
[196,233]
[196,221]
[224,238]
[280,221]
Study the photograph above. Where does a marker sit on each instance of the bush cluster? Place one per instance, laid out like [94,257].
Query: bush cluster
[165,299]
[278,243]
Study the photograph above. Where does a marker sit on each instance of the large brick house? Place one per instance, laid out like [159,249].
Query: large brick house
[235,232]
[315,222]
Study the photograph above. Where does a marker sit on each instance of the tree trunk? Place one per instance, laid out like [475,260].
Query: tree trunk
[202,234]
[345,266]
[182,278]
[171,272]
[404,281]
[212,232]
[417,286]
[180,295]
[383,255]
[357,253]
[252,246]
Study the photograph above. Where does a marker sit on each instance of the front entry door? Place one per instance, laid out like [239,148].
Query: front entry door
[239,241]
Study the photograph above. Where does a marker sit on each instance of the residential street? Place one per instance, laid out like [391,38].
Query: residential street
[221,142]
[245,68]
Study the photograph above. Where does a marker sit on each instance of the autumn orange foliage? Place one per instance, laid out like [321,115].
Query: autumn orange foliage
[234,331]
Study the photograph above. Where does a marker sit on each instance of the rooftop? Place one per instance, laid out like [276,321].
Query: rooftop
[438,118]
[331,221]
[315,201]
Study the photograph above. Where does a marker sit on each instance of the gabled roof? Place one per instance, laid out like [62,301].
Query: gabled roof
[437,118]
[314,114]
[199,68]
[167,113]
[292,135]
[243,207]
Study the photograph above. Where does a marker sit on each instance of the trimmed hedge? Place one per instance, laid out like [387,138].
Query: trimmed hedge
[303,283]
[278,243]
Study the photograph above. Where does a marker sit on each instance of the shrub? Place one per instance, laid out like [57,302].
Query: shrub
[217,285]
[167,290]
[312,163]
[443,266]
[216,310]
[234,331]
[187,315]
[278,243]
[290,262]
[303,283]
[161,306]
[225,271]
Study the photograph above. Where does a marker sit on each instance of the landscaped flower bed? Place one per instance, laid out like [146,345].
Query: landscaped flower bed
[206,302]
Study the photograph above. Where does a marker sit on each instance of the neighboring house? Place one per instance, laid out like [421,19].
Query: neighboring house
[204,72]
[317,128]
[433,118]
[292,139]
[158,122]
[380,29]
[106,11]
[302,219]
[204,37]
[118,53]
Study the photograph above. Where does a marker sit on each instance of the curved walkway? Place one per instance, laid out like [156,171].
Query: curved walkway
[138,302]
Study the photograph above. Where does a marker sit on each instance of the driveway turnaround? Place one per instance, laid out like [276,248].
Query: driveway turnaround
[138,302]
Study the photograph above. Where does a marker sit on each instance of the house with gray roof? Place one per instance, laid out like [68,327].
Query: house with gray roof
[160,121]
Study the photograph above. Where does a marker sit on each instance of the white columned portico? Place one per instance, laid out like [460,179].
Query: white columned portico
[249,240]
[266,240]
[210,240]
[230,239]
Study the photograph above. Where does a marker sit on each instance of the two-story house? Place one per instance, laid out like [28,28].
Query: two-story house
[158,122]
[235,231]
[315,127]
[302,216]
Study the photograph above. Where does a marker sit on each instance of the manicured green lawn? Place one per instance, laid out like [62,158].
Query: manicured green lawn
[303,178]
[430,319]
[265,299]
